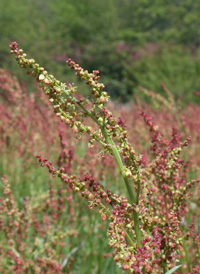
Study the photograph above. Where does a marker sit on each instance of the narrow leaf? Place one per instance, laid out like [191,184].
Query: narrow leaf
[173,269]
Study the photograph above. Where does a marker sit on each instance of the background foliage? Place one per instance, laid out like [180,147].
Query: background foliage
[131,42]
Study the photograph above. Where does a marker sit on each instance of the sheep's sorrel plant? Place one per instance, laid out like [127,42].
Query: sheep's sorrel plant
[148,230]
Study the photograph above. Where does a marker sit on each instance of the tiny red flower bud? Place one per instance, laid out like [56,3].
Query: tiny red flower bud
[103,216]
[125,267]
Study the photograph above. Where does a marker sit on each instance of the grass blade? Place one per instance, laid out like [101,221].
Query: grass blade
[173,269]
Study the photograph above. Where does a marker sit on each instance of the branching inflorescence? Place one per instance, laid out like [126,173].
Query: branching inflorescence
[145,229]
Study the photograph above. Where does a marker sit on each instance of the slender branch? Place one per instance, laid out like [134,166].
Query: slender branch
[119,162]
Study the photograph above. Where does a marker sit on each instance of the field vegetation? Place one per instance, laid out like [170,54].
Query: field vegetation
[99,172]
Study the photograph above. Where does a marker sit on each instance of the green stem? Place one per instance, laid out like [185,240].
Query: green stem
[118,160]
[186,255]
[138,191]
[88,113]
[129,189]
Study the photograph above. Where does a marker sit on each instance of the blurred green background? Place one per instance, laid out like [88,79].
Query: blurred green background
[131,42]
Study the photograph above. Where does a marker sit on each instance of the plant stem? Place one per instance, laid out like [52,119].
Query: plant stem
[186,255]
[119,162]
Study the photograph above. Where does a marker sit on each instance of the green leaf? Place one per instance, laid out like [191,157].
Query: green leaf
[173,269]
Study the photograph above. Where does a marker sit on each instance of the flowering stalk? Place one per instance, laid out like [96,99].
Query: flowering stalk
[65,107]
[157,190]
[98,197]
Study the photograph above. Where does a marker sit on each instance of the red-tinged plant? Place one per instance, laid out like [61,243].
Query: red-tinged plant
[19,225]
[24,119]
[146,230]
